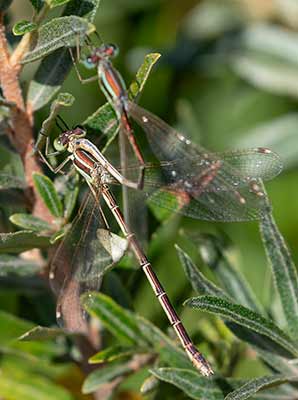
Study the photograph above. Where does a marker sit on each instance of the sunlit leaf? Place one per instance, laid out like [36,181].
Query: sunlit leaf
[244,317]
[57,3]
[57,33]
[283,269]
[24,26]
[255,385]
[41,333]
[112,353]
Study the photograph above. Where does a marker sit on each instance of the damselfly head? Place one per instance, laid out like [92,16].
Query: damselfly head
[103,52]
[66,137]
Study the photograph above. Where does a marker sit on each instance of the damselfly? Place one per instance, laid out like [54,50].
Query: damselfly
[224,184]
[98,173]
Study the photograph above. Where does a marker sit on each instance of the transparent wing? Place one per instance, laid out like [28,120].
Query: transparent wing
[87,251]
[210,186]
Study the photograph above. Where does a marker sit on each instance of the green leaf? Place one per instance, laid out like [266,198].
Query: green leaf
[137,86]
[199,283]
[70,196]
[11,182]
[4,4]
[17,242]
[112,353]
[24,26]
[62,100]
[255,385]
[120,322]
[166,348]
[283,269]
[244,317]
[17,266]
[11,167]
[104,375]
[213,251]
[38,4]
[194,385]
[28,221]
[57,3]
[278,363]
[14,327]
[83,8]
[105,119]
[40,333]
[60,233]
[48,193]
[29,386]
[57,33]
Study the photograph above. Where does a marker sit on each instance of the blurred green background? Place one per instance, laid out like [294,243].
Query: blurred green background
[228,78]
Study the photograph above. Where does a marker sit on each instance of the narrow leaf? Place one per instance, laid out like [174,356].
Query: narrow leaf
[213,251]
[47,191]
[4,4]
[137,86]
[112,353]
[38,4]
[13,265]
[279,364]
[102,376]
[194,385]
[28,221]
[17,242]
[11,182]
[24,26]
[244,317]
[255,385]
[283,269]
[58,3]
[83,8]
[120,322]
[58,32]
[199,283]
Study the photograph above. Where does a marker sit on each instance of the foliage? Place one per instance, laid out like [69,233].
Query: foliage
[236,64]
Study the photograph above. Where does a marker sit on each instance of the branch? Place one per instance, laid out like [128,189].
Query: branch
[21,120]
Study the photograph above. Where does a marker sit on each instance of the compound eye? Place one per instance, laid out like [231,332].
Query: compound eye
[58,146]
[114,50]
[88,62]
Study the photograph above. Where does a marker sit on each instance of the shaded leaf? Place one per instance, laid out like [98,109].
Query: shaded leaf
[104,375]
[28,221]
[62,100]
[38,4]
[278,363]
[283,269]
[60,233]
[11,182]
[17,266]
[17,242]
[198,281]
[11,167]
[244,317]
[4,4]
[255,385]
[48,193]
[58,3]
[41,333]
[24,385]
[14,327]
[83,8]
[213,252]
[58,32]
[120,322]
[24,26]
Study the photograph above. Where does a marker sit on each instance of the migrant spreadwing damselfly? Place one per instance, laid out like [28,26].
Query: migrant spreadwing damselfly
[225,184]
[97,172]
